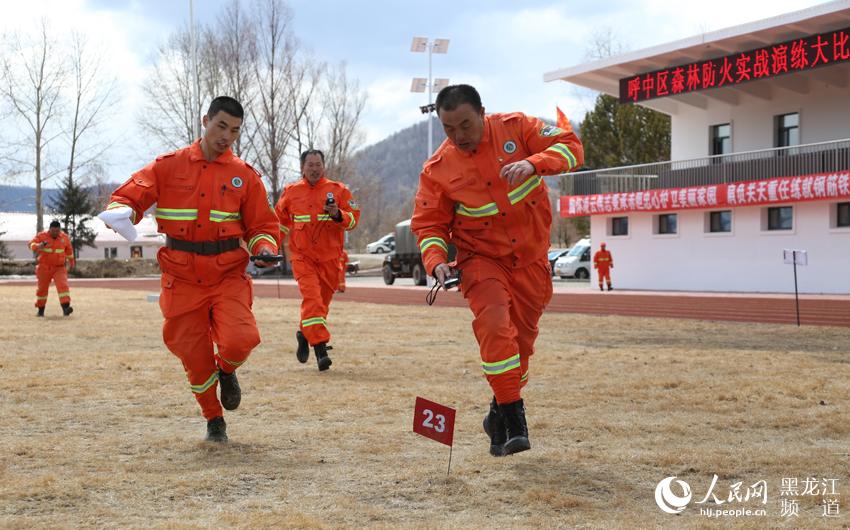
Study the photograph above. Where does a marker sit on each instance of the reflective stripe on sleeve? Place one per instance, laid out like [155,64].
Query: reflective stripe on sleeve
[433,241]
[261,237]
[565,152]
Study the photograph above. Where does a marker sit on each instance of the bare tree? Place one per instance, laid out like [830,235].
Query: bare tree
[92,95]
[303,86]
[270,111]
[33,76]
[343,103]
[170,112]
[232,45]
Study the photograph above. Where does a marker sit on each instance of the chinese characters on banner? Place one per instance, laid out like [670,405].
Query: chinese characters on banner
[792,56]
[751,193]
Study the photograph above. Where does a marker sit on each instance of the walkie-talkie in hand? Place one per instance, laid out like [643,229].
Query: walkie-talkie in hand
[330,200]
[269,258]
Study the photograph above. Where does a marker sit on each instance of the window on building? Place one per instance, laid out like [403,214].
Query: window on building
[135,252]
[721,139]
[619,226]
[668,223]
[842,217]
[110,252]
[787,130]
[780,218]
[720,221]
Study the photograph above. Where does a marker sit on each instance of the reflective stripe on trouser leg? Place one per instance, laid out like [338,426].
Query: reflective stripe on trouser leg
[60,278]
[317,281]
[234,328]
[530,294]
[489,301]
[188,337]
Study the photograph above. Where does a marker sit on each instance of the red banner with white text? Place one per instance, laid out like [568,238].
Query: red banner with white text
[815,187]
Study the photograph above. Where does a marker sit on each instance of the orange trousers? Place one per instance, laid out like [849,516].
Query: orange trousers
[57,273]
[343,262]
[317,281]
[507,304]
[604,273]
[199,317]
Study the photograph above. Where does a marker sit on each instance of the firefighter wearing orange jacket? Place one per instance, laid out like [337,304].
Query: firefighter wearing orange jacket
[55,257]
[603,263]
[207,202]
[483,191]
[315,212]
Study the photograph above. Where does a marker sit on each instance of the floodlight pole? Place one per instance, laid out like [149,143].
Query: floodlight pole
[429,90]
[196,96]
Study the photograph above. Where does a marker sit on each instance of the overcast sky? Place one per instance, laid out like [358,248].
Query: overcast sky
[502,47]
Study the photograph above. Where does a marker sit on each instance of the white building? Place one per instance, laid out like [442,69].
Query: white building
[19,230]
[760,159]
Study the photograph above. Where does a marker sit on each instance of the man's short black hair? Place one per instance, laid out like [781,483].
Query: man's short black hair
[226,104]
[55,223]
[308,152]
[453,96]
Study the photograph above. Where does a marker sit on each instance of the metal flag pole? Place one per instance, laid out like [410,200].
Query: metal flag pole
[796,292]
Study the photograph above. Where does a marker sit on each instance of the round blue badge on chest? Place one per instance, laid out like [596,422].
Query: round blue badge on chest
[509,146]
[236,182]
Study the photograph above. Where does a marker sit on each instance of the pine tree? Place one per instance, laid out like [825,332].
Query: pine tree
[616,135]
[74,209]
[4,250]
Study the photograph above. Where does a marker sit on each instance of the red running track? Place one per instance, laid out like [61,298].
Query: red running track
[820,310]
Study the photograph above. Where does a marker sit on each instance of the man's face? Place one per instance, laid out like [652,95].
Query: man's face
[53,231]
[464,126]
[220,131]
[313,168]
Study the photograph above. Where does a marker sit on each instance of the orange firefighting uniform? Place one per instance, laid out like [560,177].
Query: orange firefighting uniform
[51,266]
[501,235]
[315,246]
[343,262]
[205,299]
[603,262]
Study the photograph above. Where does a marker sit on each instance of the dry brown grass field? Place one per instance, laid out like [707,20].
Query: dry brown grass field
[99,428]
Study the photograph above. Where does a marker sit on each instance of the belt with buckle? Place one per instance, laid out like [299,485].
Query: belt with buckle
[204,248]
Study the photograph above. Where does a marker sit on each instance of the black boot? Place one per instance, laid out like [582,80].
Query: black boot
[303,351]
[494,426]
[40,312]
[67,309]
[514,414]
[231,394]
[322,358]
[600,288]
[610,288]
[216,430]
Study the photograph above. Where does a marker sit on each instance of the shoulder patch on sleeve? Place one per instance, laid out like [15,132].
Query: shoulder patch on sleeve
[166,155]
[550,130]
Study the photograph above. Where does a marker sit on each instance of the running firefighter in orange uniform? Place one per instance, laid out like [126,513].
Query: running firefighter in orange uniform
[314,213]
[483,191]
[55,258]
[207,202]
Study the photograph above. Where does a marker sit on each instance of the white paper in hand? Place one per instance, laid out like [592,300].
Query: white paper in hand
[119,220]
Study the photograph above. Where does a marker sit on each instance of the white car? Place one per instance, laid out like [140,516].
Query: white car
[381,246]
[576,262]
